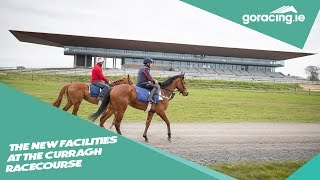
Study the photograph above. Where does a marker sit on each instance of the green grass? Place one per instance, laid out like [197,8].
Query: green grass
[194,83]
[259,170]
[202,105]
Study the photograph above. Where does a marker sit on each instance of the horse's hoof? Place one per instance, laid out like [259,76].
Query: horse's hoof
[146,139]
[169,139]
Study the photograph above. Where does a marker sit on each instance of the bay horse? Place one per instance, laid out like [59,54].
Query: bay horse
[119,97]
[77,91]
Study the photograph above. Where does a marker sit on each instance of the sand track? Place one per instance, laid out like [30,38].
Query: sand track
[208,143]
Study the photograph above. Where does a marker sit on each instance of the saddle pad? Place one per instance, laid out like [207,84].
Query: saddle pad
[94,90]
[143,95]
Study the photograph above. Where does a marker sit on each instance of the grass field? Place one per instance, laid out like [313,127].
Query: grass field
[225,101]
[259,170]
[227,104]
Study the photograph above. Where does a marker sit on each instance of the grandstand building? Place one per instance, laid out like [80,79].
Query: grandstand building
[167,56]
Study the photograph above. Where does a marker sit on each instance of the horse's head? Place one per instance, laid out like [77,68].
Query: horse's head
[175,82]
[181,85]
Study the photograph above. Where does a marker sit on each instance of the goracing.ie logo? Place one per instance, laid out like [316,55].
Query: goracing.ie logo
[284,14]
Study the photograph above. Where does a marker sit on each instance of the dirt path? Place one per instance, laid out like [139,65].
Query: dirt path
[208,143]
[312,87]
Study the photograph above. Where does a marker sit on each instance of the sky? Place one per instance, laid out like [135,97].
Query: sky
[148,20]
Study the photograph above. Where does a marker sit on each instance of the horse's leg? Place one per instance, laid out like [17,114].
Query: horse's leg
[150,115]
[119,106]
[75,95]
[118,120]
[112,123]
[76,108]
[67,106]
[164,117]
[117,125]
[105,116]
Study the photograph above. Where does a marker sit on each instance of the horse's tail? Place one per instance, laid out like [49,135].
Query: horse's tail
[59,99]
[103,106]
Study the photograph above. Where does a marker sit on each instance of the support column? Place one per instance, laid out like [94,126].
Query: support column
[89,61]
[85,61]
[74,61]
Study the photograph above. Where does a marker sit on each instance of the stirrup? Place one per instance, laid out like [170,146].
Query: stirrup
[151,100]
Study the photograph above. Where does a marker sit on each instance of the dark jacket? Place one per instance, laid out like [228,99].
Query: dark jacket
[144,76]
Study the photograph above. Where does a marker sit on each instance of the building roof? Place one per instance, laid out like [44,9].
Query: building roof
[61,40]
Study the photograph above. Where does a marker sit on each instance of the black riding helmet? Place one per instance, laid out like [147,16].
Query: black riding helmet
[147,61]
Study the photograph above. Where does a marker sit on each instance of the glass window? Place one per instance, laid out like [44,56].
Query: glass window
[166,63]
[193,64]
[128,61]
[155,62]
[177,63]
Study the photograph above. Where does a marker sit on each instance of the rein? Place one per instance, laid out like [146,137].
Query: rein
[173,93]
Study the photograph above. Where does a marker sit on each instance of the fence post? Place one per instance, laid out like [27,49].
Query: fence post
[309,92]
[32,77]
[252,89]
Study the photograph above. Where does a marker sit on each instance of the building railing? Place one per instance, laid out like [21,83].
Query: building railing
[71,50]
[133,72]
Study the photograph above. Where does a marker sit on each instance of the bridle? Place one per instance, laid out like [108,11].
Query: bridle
[183,88]
[173,93]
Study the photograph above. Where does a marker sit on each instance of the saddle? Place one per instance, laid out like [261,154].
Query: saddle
[143,95]
[94,90]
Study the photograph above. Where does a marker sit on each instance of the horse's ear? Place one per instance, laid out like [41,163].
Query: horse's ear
[128,76]
[183,75]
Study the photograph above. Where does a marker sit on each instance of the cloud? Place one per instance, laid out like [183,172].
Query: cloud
[164,21]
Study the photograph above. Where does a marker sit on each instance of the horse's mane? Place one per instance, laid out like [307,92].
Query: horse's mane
[167,82]
[119,81]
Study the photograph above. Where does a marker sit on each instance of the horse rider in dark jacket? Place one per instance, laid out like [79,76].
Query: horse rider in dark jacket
[145,80]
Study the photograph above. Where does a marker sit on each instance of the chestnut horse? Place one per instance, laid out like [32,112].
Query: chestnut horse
[77,91]
[123,95]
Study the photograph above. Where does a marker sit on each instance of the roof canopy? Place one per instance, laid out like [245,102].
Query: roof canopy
[61,40]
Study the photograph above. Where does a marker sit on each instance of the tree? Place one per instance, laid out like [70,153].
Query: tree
[312,72]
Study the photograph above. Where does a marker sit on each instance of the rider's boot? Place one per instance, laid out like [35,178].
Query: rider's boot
[103,92]
[152,92]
